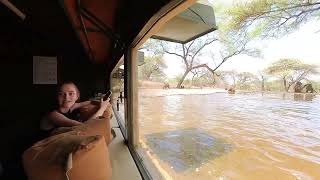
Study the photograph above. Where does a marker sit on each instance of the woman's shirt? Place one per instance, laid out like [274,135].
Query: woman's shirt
[74,115]
[47,124]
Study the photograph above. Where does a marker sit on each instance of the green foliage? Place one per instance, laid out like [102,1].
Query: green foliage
[258,30]
[273,18]
[283,67]
[275,85]
[315,85]
[176,79]
[246,81]
[153,47]
[291,71]
[153,69]
[245,77]
[205,78]
[290,67]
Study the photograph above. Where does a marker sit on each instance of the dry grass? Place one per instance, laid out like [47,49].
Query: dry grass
[150,84]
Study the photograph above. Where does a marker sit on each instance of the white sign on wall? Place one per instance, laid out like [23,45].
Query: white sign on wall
[44,70]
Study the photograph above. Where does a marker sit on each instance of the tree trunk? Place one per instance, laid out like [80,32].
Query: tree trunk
[285,84]
[289,85]
[182,78]
[262,85]
[149,77]
[192,80]
[234,82]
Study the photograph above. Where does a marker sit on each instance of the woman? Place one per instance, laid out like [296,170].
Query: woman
[67,113]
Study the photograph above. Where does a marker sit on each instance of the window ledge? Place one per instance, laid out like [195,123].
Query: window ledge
[122,163]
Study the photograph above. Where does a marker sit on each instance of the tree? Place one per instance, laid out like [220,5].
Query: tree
[262,77]
[232,43]
[152,47]
[198,77]
[153,68]
[203,77]
[272,17]
[245,79]
[229,76]
[188,53]
[316,85]
[291,71]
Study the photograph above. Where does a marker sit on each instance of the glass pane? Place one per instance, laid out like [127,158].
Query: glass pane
[226,112]
[242,128]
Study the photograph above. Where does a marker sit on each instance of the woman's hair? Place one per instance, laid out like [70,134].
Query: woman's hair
[68,82]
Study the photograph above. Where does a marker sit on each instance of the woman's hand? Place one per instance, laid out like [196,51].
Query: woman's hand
[104,104]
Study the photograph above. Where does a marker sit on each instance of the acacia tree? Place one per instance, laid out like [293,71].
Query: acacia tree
[229,75]
[196,74]
[222,77]
[232,43]
[203,77]
[153,68]
[272,17]
[152,47]
[188,53]
[244,79]
[291,71]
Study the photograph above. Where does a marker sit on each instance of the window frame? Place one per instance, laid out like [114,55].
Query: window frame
[167,12]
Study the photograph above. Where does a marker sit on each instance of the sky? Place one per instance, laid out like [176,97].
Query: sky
[303,44]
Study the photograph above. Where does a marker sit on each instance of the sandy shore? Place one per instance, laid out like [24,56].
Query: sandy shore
[168,92]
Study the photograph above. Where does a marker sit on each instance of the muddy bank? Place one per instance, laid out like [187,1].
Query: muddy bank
[167,92]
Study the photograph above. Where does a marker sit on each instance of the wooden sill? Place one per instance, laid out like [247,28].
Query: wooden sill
[122,163]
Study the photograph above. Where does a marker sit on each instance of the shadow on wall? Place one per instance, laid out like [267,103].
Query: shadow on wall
[187,148]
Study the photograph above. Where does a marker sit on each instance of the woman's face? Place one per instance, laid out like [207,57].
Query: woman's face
[68,95]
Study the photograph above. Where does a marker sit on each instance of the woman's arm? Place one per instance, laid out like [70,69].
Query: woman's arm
[81,104]
[59,119]
[103,106]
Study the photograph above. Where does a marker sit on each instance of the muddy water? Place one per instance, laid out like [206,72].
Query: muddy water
[221,136]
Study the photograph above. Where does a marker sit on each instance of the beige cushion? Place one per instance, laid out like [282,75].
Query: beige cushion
[71,154]
[91,127]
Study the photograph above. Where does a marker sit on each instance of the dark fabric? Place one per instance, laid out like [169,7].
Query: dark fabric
[45,133]
[74,115]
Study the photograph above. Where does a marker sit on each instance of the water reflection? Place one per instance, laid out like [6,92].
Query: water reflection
[303,96]
[271,136]
[186,148]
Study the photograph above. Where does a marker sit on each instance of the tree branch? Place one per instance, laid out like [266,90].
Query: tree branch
[292,7]
[173,54]
[185,56]
[187,52]
[204,45]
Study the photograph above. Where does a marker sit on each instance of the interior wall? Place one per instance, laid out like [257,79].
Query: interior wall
[15,89]
[23,103]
